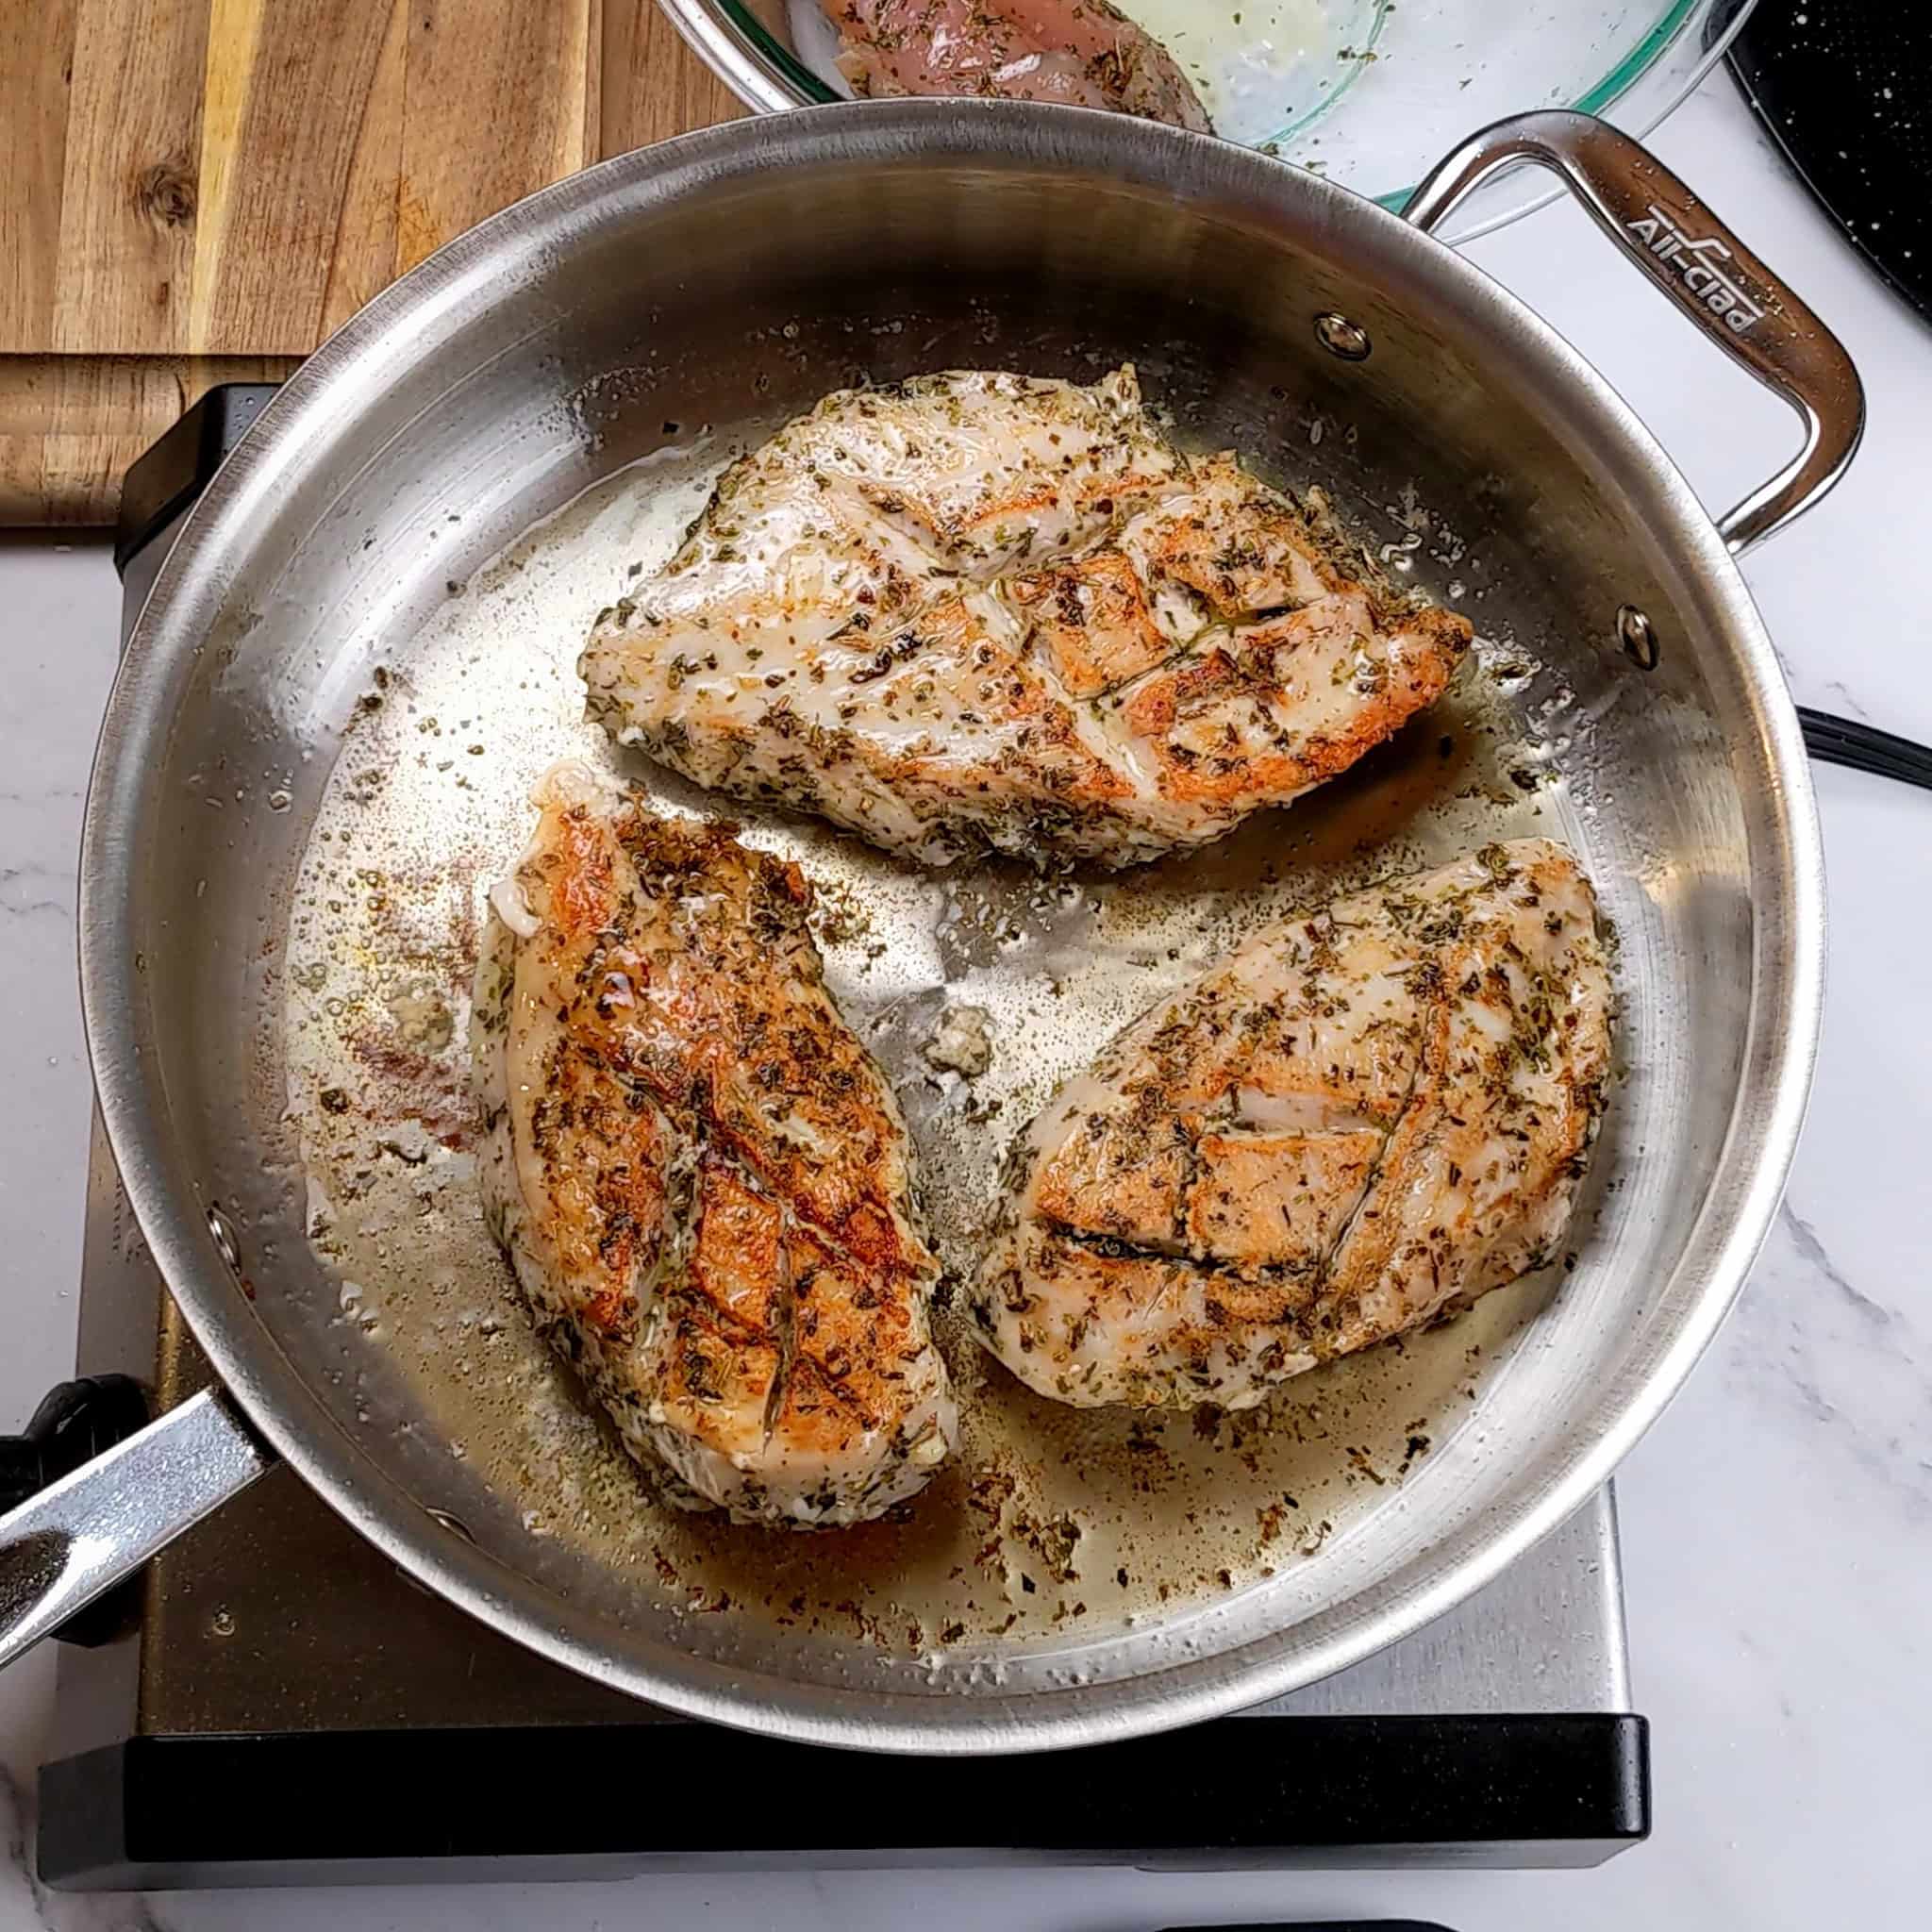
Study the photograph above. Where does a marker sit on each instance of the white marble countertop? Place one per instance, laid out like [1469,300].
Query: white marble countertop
[1778,1522]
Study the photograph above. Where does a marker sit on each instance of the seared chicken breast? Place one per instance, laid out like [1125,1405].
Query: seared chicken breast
[984,612]
[1367,1117]
[1085,53]
[698,1172]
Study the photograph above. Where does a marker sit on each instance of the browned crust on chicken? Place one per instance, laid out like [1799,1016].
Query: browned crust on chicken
[1091,621]
[986,611]
[699,1171]
[1369,1116]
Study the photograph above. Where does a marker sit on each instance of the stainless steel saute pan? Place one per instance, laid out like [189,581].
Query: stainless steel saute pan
[356,658]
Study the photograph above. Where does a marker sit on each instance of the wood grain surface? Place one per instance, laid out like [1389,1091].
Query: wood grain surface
[199,191]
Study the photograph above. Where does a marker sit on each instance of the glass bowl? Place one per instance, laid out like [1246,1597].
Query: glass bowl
[1369,92]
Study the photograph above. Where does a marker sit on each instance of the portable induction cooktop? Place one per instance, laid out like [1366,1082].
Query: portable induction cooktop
[273,1703]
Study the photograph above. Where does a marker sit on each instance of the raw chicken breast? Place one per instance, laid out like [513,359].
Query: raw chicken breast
[982,610]
[1369,1116]
[699,1173]
[1085,53]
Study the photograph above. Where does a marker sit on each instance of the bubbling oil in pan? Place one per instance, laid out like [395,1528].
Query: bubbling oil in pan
[1050,1519]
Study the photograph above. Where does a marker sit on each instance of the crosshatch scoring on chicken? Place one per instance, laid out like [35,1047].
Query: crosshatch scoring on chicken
[982,610]
[1370,1115]
[700,1175]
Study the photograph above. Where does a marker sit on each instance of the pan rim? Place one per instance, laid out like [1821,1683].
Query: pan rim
[1779,1055]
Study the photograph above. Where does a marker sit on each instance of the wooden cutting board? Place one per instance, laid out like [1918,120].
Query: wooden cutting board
[197,191]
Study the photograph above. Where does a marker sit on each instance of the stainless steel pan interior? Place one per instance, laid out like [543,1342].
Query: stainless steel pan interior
[357,657]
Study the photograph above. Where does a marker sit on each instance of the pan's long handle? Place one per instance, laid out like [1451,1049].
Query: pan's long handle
[1711,276]
[62,1548]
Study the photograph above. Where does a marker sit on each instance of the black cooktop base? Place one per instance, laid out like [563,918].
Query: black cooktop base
[1543,1789]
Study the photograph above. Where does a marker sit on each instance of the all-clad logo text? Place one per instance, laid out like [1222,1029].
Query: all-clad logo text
[1697,266]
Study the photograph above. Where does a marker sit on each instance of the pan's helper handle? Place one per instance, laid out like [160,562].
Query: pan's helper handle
[62,1548]
[1695,259]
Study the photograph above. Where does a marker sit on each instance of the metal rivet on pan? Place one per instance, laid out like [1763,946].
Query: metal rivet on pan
[1341,337]
[1638,636]
[222,1229]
